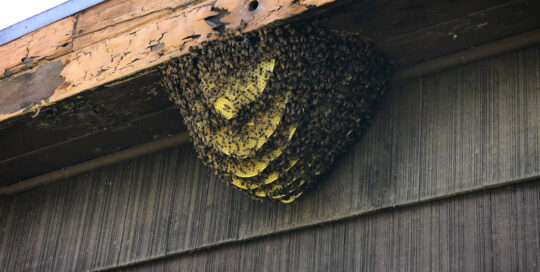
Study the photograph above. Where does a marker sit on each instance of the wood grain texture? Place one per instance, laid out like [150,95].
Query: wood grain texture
[92,25]
[157,41]
[495,230]
[413,31]
[119,38]
[43,142]
[460,33]
[41,45]
[85,40]
[380,20]
[110,13]
[461,130]
[90,146]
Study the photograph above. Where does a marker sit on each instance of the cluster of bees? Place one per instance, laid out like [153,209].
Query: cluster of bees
[270,110]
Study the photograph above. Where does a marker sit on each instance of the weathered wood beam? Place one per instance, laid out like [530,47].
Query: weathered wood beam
[90,165]
[131,110]
[87,27]
[111,13]
[99,60]
[37,47]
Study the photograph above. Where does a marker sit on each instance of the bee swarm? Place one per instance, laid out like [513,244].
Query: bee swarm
[270,110]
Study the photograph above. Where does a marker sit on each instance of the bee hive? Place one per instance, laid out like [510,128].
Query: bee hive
[270,110]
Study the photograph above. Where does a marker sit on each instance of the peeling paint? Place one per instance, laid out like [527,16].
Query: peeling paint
[130,53]
[29,89]
[157,46]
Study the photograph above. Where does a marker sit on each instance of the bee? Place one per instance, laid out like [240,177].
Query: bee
[335,81]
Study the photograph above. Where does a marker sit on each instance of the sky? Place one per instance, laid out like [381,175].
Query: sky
[14,11]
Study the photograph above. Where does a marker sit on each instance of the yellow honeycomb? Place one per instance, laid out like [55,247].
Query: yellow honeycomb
[238,92]
[244,143]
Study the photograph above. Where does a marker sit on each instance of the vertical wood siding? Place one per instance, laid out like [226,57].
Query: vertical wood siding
[494,230]
[465,129]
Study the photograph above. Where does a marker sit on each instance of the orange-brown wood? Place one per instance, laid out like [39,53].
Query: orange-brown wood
[92,25]
[115,29]
[124,50]
[110,13]
[45,43]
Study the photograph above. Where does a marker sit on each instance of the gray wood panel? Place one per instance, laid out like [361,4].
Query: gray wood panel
[380,20]
[464,32]
[464,129]
[412,31]
[493,230]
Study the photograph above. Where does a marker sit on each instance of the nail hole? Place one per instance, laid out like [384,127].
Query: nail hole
[253,5]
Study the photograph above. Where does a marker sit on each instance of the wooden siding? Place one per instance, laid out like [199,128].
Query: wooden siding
[466,129]
[495,230]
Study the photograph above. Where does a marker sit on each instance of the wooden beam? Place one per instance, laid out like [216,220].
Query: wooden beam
[94,143]
[512,43]
[149,44]
[111,13]
[114,158]
[44,18]
[93,124]
[92,25]
[37,47]
[96,121]
[414,31]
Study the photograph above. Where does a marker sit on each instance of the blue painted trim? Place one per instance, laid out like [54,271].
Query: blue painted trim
[47,17]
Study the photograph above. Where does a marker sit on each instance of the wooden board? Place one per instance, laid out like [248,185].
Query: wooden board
[495,230]
[414,31]
[460,33]
[381,20]
[124,52]
[400,27]
[37,47]
[89,26]
[130,37]
[83,128]
[466,129]
[121,136]
[111,13]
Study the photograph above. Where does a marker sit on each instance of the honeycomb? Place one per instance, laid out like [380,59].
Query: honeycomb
[271,110]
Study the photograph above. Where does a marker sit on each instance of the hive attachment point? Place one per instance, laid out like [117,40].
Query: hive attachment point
[271,110]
